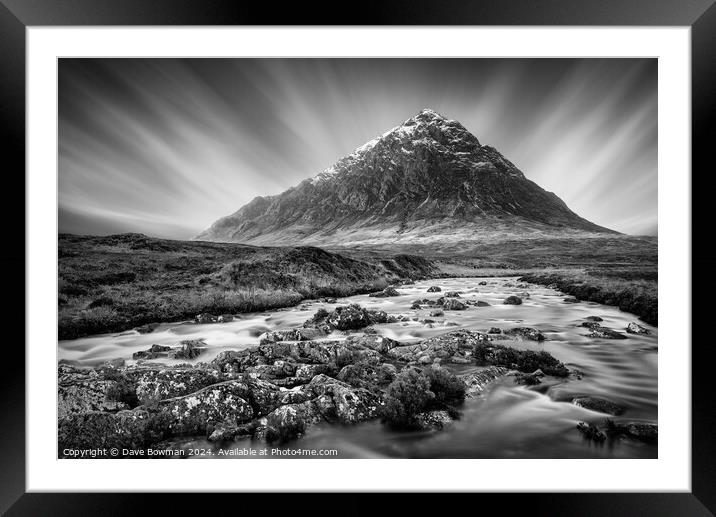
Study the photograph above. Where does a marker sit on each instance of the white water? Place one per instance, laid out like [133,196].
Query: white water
[508,420]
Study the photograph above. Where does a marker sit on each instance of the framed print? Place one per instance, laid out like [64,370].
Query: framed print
[414,253]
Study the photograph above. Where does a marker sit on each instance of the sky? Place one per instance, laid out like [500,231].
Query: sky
[167,146]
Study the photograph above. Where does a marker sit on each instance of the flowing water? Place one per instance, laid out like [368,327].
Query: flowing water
[507,420]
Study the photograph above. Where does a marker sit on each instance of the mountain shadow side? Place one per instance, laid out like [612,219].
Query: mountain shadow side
[428,180]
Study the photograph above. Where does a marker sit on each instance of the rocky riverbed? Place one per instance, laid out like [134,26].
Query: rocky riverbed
[445,368]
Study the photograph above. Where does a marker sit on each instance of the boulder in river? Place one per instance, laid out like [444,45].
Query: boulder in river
[591,432]
[599,332]
[593,318]
[525,361]
[434,289]
[148,328]
[153,352]
[477,381]
[598,404]
[482,283]
[571,299]
[346,317]
[451,304]
[513,300]
[452,294]
[387,292]
[641,431]
[481,303]
[526,333]
[437,313]
[635,328]
[529,379]
[205,318]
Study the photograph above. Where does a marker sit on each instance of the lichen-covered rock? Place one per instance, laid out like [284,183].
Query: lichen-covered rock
[154,352]
[188,349]
[189,414]
[598,404]
[81,391]
[635,328]
[525,361]
[368,375]
[162,383]
[433,420]
[350,404]
[135,429]
[477,381]
[298,334]
[526,333]
[232,361]
[291,421]
[512,300]
[451,304]
[346,317]
[227,431]
[599,332]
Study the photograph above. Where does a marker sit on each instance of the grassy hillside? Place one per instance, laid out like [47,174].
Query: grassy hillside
[118,282]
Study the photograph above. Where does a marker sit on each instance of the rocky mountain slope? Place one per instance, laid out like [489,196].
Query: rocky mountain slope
[427,180]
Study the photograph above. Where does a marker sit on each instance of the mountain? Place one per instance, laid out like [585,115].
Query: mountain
[427,180]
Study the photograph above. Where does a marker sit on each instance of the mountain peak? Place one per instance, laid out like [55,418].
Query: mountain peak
[426,180]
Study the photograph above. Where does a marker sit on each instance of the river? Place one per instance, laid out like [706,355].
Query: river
[506,421]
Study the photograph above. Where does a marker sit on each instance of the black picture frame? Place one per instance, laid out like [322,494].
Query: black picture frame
[17,15]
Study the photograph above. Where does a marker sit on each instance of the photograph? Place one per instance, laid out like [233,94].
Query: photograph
[357,258]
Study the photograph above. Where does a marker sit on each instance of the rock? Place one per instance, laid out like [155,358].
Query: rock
[114,363]
[648,433]
[330,300]
[298,334]
[347,317]
[594,318]
[437,313]
[135,429]
[476,382]
[368,375]
[189,414]
[154,352]
[146,329]
[599,405]
[482,283]
[591,432]
[82,391]
[513,300]
[526,333]
[459,342]
[635,328]
[205,318]
[226,431]
[454,305]
[349,404]
[158,384]
[225,318]
[189,349]
[529,379]
[291,421]
[494,330]
[380,344]
[415,306]
[452,294]
[434,289]
[600,332]
[433,420]
[480,303]
[525,361]
[387,292]
[571,299]
[235,361]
